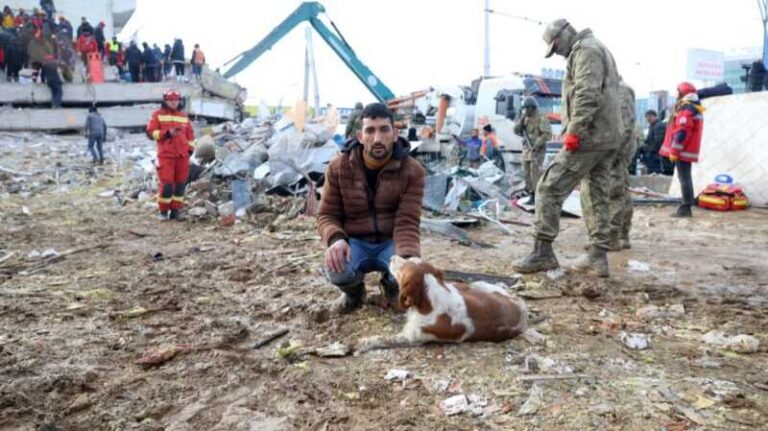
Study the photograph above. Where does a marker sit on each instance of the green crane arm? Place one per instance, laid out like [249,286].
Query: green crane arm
[309,11]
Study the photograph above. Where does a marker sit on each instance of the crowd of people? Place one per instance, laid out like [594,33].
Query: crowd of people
[32,39]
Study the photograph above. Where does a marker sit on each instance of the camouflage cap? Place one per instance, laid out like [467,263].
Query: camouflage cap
[552,32]
[530,102]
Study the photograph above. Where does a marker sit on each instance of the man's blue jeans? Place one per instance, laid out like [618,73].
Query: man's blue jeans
[366,257]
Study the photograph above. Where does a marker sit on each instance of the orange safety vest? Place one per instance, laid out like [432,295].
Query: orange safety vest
[198,57]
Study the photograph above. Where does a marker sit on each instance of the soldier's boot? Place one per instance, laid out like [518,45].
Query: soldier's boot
[615,244]
[683,211]
[595,260]
[624,243]
[351,299]
[542,258]
[162,216]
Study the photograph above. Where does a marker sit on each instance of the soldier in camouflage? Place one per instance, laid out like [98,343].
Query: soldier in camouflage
[620,200]
[592,132]
[355,122]
[536,131]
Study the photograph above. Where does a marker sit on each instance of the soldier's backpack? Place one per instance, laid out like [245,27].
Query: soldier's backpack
[723,197]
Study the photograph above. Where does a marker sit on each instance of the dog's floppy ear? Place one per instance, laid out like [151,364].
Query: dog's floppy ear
[413,289]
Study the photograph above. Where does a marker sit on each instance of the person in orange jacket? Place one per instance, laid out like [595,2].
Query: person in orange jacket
[172,129]
[683,141]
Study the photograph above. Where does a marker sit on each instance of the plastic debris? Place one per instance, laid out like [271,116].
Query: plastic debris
[634,340]
[334,350]
[454,405]
[397,375]
[637,266]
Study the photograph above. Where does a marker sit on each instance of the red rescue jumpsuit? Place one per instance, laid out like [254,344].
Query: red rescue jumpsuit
[172,154]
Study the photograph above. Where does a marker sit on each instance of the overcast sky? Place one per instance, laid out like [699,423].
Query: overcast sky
[412,44]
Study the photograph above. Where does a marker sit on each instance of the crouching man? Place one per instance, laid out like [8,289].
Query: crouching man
[371,208]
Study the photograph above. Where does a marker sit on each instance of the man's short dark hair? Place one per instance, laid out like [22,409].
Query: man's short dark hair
[651,112]
[378,110]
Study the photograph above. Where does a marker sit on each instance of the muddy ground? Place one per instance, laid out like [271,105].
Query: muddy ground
[139,325]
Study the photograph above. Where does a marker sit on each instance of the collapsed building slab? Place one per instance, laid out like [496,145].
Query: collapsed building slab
[213,98]
[103,94]
[73,118]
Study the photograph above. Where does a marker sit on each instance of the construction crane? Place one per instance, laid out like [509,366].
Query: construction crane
[310,12]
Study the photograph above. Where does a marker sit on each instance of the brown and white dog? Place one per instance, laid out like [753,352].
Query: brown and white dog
[437,311]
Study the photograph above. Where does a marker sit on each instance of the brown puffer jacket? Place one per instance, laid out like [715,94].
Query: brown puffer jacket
[392,211]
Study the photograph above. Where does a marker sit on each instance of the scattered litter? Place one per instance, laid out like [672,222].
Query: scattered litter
[473,404]
[334,350]
[160,355]
[741,343]
[634,340]
[25,210]
[637,266]
[454,405]
[534,363]
[49,253]
[270,338]
[397,375]
[555,274]
[107,194]
[533,403]
[650,312]
[540,294]
[289,350]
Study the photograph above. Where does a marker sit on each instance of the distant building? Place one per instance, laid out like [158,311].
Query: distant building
[114,13]
[735,60]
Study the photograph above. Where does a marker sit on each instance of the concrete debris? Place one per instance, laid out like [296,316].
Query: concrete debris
[459,404]
[533,403]
[741,343]
[651,312]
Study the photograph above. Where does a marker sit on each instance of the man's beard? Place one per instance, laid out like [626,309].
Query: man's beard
[383,156]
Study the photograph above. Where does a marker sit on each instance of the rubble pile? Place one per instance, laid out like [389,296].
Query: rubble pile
[244,166]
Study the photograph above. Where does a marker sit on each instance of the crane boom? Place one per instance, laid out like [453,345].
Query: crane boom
[310,12]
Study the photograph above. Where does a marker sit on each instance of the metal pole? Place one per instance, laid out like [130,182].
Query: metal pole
[313,66]
[487,47]
[306,67]
[763,5]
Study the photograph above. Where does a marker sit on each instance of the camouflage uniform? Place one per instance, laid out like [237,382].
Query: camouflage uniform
[538,131]
[355,122]
[591,112]
[620,201]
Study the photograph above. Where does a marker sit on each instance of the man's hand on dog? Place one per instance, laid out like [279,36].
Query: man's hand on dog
[338,255]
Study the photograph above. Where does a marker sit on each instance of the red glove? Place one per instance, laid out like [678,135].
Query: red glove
[571,142]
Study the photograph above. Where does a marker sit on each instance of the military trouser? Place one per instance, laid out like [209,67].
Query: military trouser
[532,167]
[559,180]
[620,203]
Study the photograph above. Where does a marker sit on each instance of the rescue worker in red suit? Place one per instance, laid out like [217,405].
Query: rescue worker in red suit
[172,129]
[683,140]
